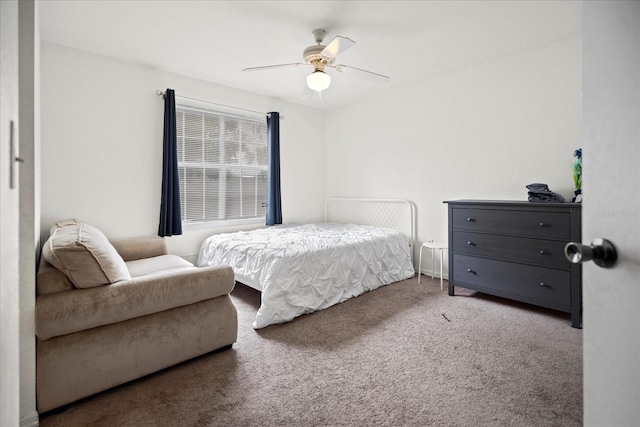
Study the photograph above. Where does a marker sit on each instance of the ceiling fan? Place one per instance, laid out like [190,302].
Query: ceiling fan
[320,57]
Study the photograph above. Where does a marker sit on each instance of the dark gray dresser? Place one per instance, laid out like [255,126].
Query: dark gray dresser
[515,250]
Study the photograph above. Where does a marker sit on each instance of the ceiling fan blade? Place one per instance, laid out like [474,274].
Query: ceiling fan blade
[370,75]
[337,46]
[269,67]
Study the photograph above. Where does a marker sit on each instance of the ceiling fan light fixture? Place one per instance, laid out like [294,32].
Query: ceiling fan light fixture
[318,80]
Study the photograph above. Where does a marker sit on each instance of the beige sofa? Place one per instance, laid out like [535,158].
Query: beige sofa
[98,327]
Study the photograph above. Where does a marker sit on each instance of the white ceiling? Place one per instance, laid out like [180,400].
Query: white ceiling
[215,40]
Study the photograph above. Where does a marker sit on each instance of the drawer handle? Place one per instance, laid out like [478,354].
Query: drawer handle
[470,243]
[470,271]
[544,285]
[542,252]
[542,224]
[470,220]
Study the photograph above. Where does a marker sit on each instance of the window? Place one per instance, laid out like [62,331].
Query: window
[222,162]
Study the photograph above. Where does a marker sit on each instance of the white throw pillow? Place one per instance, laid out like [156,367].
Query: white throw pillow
[84,254]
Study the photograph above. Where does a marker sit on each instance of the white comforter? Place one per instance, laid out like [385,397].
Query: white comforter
[309,267]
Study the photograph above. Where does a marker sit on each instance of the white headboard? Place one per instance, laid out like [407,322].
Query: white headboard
[398,214]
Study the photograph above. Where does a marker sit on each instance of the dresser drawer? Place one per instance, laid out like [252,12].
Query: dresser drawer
[546,253]
[513,280]
[550,225]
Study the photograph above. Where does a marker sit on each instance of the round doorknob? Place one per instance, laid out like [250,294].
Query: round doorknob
[601,251]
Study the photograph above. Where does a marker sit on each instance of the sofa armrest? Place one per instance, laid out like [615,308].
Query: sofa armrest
[140,247]
[50,280]
[68,312]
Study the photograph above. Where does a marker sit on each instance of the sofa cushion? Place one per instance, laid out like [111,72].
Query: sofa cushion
[84,254]
[156,264]
[133,248]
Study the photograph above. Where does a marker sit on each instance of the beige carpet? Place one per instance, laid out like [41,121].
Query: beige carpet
[406,354]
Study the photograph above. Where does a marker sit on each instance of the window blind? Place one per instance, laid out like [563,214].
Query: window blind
[222,162]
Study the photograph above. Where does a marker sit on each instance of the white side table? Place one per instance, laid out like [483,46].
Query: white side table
[433,247]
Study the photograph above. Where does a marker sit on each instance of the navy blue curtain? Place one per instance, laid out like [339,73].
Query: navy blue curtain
[170,220]
[274,205]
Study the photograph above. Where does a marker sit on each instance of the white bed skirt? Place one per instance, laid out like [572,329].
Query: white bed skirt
[308,267]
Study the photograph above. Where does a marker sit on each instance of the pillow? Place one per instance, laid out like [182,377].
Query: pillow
[83,253]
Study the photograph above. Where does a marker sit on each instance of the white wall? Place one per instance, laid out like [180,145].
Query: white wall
[102,144]
[482,132]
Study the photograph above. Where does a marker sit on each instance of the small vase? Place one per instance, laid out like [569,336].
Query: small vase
[578,196]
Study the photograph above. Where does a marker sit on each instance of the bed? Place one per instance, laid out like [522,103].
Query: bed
[300,268]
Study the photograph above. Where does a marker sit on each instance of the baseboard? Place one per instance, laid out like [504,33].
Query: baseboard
[436,275]
[31,420]
[193,259]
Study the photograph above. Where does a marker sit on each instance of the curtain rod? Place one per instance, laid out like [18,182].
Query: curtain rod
[161,93]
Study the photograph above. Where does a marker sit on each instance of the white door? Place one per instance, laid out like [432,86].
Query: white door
[9,208]
[611,210]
